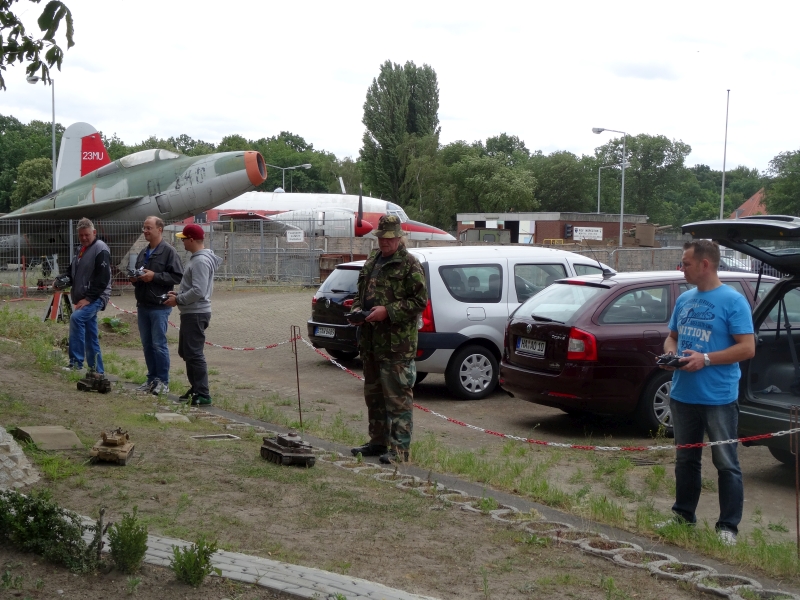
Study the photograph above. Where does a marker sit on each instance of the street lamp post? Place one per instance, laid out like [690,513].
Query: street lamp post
[284,169]
[33,79]
[627,164]
[599,130]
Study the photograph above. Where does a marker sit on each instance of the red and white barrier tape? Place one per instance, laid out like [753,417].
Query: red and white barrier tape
[275,345]
[507,436]
[20,287]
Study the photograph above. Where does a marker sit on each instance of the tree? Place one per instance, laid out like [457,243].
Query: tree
[783,190]
[565,182]
[401,102]
[34,180]
[486,184]
[657,165]
[17,46]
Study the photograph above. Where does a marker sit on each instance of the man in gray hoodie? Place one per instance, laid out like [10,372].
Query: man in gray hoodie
[193,300]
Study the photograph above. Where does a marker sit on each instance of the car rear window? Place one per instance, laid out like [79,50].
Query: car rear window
[532,279]
[643,305]
[587,270]
[473,283]
[560,301]
[341,281]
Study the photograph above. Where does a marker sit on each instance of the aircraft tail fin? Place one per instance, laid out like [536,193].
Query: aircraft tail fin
[82,151]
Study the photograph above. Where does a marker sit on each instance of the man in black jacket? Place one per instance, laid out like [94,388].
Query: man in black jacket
[158,270]
[90,278]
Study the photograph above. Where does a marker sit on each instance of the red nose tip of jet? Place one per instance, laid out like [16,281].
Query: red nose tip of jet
[255,167]
[363,229]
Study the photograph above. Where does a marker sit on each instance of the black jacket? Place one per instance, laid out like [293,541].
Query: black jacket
[168,269]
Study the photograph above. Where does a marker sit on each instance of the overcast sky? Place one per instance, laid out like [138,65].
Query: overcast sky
[545,71]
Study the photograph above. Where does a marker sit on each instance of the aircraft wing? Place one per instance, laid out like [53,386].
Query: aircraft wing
[89,210]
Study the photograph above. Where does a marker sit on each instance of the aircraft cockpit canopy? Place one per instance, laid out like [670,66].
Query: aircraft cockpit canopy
[394,209]
[146,156]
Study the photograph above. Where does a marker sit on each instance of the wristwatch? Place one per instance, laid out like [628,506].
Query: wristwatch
[706,360]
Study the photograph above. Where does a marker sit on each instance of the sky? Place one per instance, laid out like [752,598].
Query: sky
[547,72]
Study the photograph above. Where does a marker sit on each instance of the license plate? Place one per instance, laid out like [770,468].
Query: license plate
[325,332]
[535,347]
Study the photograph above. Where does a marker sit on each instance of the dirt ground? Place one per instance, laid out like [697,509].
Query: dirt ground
[322,517]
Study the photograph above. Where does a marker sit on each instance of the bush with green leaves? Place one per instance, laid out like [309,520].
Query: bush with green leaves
[35,523]
[192,564]
[128,542]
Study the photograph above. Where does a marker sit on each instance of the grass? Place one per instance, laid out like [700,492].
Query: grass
[606,488]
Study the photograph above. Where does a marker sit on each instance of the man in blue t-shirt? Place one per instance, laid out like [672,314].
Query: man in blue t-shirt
[712,329]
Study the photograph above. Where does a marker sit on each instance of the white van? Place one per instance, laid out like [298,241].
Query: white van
[472,291]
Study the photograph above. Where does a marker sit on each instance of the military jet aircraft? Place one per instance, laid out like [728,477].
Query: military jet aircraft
[151,182]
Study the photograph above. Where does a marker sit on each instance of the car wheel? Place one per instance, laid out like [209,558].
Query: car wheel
[420,377]
[472,373]
[783,456]
[341,354]
[653,410]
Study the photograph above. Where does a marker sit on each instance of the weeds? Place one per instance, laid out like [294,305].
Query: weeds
[10,582]
[35,523]
[131,585]
[128,542]
[191,565]
[655,478]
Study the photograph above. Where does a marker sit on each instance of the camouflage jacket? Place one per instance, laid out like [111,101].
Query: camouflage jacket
[400,287]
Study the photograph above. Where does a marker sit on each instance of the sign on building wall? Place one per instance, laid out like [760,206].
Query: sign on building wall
[294,236]
[587,233]
[527,231]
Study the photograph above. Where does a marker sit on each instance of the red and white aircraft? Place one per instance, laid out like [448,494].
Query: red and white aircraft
[335,215]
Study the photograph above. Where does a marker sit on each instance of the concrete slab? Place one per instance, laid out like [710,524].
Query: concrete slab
[48,437]
[171,418]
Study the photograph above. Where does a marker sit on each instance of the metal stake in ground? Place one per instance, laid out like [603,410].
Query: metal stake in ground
[794,420]
[294,335]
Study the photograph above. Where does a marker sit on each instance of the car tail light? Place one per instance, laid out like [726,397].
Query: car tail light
[348,303]
[313,300]
[581,345]
[428,326]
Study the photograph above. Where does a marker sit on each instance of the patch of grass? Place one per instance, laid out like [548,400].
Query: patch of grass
[780,527]
[54,466]
[655,478]
[606,511]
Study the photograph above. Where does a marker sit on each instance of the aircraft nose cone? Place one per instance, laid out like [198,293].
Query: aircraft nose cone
[363,229]
[255,167]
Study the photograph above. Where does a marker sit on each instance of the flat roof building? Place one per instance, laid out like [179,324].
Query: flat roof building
[543,227]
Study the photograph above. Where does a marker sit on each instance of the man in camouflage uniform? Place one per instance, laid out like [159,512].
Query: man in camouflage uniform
[392,286]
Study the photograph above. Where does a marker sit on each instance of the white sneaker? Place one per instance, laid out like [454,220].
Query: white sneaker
[728,538]
[674,520]
[160,388]
[147,386]
[72,369]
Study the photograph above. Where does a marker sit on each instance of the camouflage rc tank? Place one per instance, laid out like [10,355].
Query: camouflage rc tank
[288,449]
[116,446]
[94,382]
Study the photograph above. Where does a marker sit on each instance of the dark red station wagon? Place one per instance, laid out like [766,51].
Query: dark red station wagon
[589,344]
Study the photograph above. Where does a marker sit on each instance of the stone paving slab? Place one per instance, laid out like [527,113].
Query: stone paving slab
[303,582]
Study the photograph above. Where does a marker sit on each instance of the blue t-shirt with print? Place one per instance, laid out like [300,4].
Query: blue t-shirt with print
[706,322]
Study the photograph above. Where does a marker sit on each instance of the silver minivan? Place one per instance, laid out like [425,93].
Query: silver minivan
[472,291]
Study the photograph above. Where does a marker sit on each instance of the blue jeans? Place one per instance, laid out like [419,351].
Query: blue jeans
[721,422]
[153,331]
[83,338]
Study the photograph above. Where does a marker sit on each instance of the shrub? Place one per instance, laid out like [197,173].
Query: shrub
[128,543]
[191,565]
[37,524]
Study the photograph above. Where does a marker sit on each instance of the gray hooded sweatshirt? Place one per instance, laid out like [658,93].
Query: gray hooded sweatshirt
[197,285]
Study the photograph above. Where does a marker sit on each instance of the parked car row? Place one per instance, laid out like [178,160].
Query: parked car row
[562,330]
[471,293]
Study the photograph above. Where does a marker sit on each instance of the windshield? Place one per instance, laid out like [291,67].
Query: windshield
[145,156]
[341,281]
[559,301]
[394,209]
[776,247]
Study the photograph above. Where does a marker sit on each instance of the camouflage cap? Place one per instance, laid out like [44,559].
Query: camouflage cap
[389,227]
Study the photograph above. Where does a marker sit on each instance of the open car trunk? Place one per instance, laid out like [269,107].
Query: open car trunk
[770,381]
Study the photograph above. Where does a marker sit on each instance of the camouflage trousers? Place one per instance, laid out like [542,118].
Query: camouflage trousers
[389,394]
